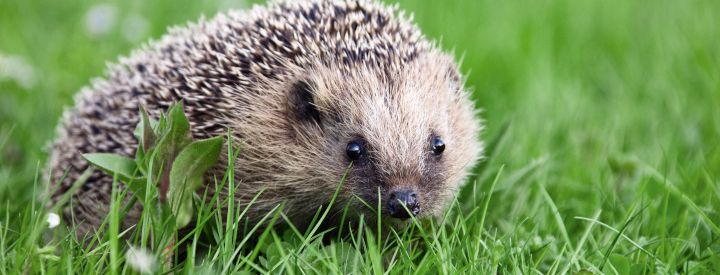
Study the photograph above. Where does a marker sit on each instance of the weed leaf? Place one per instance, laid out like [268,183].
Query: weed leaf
[187,172]
[125,169]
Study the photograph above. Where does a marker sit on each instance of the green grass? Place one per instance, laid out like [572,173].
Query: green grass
[610,161]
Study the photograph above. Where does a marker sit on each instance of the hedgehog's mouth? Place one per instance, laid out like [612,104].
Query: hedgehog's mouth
[391,210]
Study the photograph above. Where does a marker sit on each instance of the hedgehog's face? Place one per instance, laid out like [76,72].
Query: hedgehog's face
[408,134]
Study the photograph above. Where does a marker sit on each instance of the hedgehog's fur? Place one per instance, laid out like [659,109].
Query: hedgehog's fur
[294,82]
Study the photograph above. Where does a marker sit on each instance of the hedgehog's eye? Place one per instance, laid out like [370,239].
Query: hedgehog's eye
[354,150]
[438,146]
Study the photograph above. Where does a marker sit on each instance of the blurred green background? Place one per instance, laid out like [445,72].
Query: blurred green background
[613,105]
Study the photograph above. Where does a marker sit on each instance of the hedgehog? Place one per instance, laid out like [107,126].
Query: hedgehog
[315,92]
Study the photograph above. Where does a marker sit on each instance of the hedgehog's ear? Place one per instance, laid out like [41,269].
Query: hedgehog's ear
[302,102]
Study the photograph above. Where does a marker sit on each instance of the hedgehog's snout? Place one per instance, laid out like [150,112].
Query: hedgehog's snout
[403,204]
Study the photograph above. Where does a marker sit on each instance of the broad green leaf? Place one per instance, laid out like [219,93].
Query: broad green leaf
[167,218]
[195,159]
[182,208]
[179,124]
[162,125]
[170,145]
[143,160]
[140,160]
[186,175]
[148,137]
[113,164]
[125,169]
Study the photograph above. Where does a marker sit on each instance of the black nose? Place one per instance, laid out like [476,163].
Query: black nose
[403,197]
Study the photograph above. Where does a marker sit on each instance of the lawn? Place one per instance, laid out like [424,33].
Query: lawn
[602,118]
